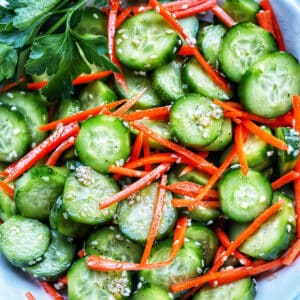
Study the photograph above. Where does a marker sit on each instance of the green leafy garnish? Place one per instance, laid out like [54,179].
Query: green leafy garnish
[8,61]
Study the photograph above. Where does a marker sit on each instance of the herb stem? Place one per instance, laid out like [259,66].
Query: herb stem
[55,26]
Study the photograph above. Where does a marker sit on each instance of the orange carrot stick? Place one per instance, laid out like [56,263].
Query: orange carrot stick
[7,189]
[223,16]
[126,172]
[268,138]
[158,211]
[147,153]
[29,296]
[177,202]
[185,153]
[136,186]
[189,168]
[157,113]
[80,116]
[239,142]
[52,160]
[137,147]
[51,291]
[292,253]
[11,85]
[285,179]
[265,20]
[63,280]
[126,13]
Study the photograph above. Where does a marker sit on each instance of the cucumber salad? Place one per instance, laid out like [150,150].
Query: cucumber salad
[146,153]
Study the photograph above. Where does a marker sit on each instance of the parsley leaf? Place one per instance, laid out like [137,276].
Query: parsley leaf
[8,61]
[56,54]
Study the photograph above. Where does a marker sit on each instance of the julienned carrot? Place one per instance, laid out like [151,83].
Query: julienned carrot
[265,20]
[128,104]
[179,203]
[80,116]
[267,137]
[225,241]
[190,189]
[29,296]
[157,113]
[51,291]
[189,168]
[147,153]
[7,189]
[63,280]
[190,156]
[32,157]
[215,177]
[123,16]
[54,157]
[82,79]
[81,253]
[183,4]
[285,179]
[137,147]
[226,276]
[292,253]
[186,50]
[250,230]
[223,16]
[136,186]
[10,86]
[99,263]
[239,142]
[126,172]
[157,214]
[296,106]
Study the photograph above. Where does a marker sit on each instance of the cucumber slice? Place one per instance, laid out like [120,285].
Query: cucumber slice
[92,22]
[57,259]
[223,140]
[242,10]
[267,88]
[135,214]
[160,127]
[110,242]
[32,107]
[103,141]
[190,26]
[200,82]
[145,41]
[152,291]
[135,84]
[85,284]
[287,159]
[96,93]
[84,190]
[37,190]
[209,42]
[67,107]
[273,237]
[244,197]
[204,214]
[62,223]
[195,121]
[243,289]
[23,241]
[167,82]
[207,239]
[187,264]
[7,206]
[15,135]
[242,46]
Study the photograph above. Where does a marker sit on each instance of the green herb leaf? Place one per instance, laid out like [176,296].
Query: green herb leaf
[8,61]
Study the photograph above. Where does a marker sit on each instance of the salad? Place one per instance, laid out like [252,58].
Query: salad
[146,153]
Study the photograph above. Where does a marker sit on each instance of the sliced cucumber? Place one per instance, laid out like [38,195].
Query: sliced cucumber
[96,93]
[244,197]
[223,140]
[167,82]
[190,26]
[242,10]
[85,284]
[37,190]
[103,141]
[32,107]
[15,135]
[151,291]
[273,237]
[135,84]
[207,239]
[204,214]
[62,223]
[241,47]
[110,242]
[209,42]
[195,121]
[23,241]
[135,214]
[145,41]
[187,264]
[67,107]
[84,190]
[57,259]
[200,82]
[7,206]
[243,289]
[287,159]
[268,86]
